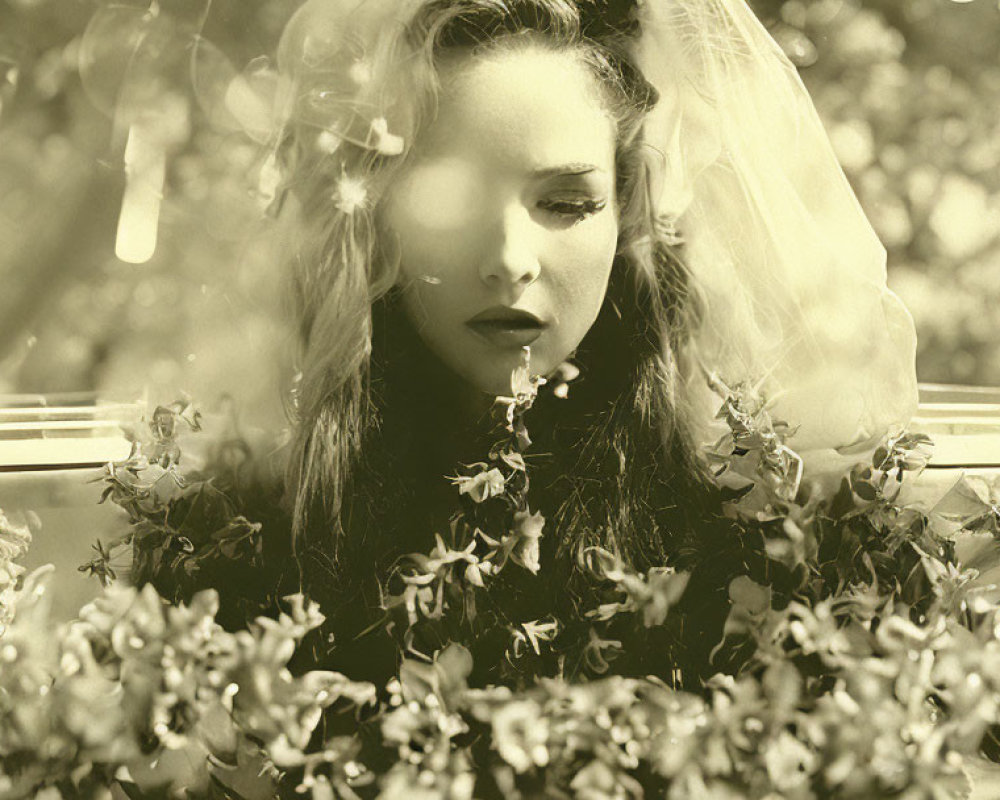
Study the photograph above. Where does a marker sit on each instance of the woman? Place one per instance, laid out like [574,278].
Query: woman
[472,177]
[643,190]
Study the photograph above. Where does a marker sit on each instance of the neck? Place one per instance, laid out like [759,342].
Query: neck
[445,414]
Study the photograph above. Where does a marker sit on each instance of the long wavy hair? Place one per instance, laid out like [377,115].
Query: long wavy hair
[621,469]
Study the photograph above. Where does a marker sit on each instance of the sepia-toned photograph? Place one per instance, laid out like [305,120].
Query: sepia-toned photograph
[471,399]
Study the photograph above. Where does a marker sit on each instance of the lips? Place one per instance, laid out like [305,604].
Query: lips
[507,327]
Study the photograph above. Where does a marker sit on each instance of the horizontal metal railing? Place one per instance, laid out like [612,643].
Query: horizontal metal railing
[65,431]
[964,422]
[946,393]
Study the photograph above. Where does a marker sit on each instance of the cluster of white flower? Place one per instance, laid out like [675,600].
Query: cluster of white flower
[14,541]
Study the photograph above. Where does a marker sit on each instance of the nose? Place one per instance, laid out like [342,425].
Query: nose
[512,261]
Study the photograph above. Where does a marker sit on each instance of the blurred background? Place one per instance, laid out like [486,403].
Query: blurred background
[909,90]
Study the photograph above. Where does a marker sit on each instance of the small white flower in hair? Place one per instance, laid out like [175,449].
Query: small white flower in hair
[350,195]
[388,144]
[328,142]
[360,72]
[268,181]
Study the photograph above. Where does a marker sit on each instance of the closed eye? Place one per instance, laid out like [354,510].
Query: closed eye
[573,209]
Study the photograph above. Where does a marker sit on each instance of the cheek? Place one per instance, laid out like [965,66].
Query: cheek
[435,309]
[427,257]
[423,303]
[587,258]
[433,262]
[440,197]
[432,213]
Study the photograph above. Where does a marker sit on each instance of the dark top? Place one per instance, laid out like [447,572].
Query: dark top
[401,497]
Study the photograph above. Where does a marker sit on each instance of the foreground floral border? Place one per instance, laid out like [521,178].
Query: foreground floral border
[870,667]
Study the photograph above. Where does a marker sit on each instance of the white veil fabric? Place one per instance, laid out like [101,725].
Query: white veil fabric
[790,276]
[790,272]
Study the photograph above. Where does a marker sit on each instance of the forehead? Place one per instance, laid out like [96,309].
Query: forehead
[529,107]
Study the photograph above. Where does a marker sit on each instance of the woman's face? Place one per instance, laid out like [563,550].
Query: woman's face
[505,219]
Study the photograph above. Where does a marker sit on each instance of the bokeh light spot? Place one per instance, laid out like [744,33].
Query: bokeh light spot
[441,195]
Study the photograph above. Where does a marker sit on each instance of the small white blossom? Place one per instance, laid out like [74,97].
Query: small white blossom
[351,194]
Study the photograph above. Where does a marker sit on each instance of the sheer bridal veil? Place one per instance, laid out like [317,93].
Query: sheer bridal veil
[791,273]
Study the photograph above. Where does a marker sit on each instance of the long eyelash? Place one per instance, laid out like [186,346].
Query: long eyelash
[576,208]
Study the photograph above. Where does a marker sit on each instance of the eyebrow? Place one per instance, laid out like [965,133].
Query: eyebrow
[574,168]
